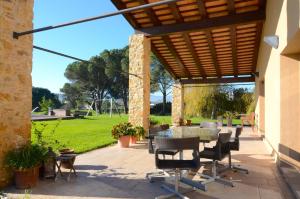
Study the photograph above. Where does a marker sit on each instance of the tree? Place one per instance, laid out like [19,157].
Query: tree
[117,62]
[161,80]
[90,78]
[73,94]
[214,100]
[45,104]
[98,81]
[39,93]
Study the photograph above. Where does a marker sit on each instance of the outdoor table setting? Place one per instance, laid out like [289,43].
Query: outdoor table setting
[205,135]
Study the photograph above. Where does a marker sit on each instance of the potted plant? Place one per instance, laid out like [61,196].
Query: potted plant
[229,116]
[139,134]
[181,122]
[47,169]
[123,132]
[26,162]
[189,121]
[153,122]
[164,126]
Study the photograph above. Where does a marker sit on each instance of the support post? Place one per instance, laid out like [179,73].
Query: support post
[110,110]
[177,103]
[139,85]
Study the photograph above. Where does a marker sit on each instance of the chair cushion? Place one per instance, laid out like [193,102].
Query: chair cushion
[208,154]
[168,152]
[234,146]
[211,154]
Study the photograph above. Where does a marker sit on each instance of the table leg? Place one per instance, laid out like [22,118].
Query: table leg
[58,170]
[180,158]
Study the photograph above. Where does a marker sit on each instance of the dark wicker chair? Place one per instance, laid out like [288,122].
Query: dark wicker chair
[180,144]
[217,153]
[158,176]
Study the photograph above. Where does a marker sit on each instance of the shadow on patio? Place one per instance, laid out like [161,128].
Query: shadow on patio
[112,172]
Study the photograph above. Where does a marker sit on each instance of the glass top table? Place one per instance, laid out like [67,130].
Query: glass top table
[205,134]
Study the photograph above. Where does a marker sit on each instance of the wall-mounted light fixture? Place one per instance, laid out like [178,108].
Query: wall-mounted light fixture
[272,40]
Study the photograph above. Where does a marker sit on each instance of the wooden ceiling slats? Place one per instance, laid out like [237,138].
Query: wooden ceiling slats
[206,50]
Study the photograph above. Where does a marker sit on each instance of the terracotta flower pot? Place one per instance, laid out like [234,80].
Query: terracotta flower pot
[27,178]
[229,122]
[124,141]
[188,122]
[133,139]
[66,151]
[181,122]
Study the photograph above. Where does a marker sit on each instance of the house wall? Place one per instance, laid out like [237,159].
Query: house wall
[278,76]
[15,79]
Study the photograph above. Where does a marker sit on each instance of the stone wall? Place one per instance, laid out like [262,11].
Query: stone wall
[15,78]
[139,86]
[177,103]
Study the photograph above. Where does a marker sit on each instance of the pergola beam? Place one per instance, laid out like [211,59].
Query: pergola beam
[205,24]
[163,61]
[234,51]
[175,55]
[187,39]
[213,52]
[218,80]
[166,39]
[194,54]
[202,9]
[230,5]
[257,42]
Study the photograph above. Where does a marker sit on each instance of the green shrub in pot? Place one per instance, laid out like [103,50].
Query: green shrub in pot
[139,132]
[229,116]
[123,133]
[25,163]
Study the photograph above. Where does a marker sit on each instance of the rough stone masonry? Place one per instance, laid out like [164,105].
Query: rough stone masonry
[139,85]
[15,79]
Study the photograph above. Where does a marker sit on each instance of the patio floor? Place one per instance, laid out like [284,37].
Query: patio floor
[120,173]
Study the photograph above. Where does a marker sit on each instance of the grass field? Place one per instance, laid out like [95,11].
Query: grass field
[87,134]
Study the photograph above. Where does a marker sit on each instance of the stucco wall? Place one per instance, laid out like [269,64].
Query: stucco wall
[290,107]
[15,78]
[282,20]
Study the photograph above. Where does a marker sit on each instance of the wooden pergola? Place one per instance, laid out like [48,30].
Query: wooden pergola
[202,41]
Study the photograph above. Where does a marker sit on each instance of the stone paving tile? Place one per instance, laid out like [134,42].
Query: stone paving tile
[117,173]
[292,178]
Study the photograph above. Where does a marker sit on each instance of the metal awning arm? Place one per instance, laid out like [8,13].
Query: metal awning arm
[16,35]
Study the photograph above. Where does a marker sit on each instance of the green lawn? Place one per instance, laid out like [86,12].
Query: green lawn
[90,133]
[81,134]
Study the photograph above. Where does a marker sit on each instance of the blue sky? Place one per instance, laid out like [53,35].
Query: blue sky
[82,40]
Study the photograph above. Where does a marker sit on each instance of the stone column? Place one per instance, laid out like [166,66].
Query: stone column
[139,85]
[177,103]
[15,79]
